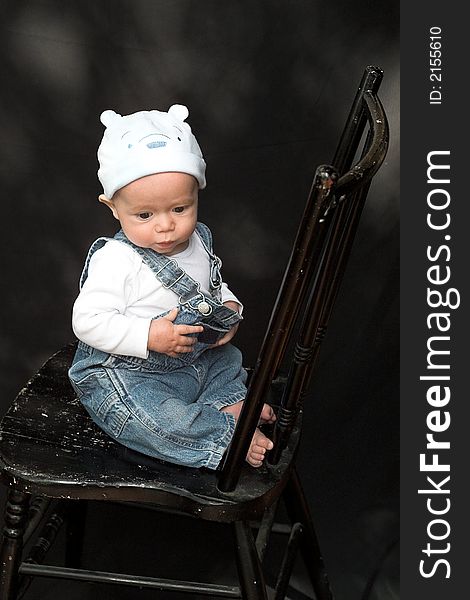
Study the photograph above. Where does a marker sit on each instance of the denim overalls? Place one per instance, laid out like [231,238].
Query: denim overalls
[167,407]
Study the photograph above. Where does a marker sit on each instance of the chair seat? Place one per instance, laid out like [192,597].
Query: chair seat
[50,446]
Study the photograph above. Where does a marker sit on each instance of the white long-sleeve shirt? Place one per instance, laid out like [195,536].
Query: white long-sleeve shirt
[121,295]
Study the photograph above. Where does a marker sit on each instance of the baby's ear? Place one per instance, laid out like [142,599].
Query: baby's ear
[110,204]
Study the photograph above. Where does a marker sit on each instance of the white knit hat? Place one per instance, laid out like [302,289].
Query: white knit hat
[145,143]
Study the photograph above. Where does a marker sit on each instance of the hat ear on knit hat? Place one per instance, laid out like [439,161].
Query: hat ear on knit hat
[179,112]
[145,143]
[108,116]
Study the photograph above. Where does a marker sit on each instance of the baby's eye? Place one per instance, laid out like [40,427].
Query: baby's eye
[179,209]
[145,215]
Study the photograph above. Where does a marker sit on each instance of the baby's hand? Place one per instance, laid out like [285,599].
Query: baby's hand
[229,335]
[171,339]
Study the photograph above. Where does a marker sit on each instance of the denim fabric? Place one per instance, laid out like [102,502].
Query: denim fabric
[174,415]
[168,407]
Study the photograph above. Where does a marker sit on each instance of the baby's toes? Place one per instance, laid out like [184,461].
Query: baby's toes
[257,452]
[253,462]
[267,414]
[263,443]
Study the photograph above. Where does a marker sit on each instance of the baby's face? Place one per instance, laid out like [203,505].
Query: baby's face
[158,211]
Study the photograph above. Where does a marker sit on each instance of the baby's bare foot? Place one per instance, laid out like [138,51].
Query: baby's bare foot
[259,444]
[267,414]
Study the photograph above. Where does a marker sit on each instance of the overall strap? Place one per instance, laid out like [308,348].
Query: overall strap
[97,244]
[170,274]
[215,278]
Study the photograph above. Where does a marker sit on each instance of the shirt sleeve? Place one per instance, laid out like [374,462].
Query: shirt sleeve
[227,294]
[99,314]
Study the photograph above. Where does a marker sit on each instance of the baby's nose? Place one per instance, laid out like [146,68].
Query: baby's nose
[164,223]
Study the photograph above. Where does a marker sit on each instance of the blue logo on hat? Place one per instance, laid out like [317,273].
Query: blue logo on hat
[156,144]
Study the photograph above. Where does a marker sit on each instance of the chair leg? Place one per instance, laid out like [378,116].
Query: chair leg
[287,565]
[264,531]
[16,513]
[297,508]
[248,563]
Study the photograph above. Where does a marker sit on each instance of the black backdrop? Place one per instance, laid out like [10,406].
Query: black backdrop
[268,85]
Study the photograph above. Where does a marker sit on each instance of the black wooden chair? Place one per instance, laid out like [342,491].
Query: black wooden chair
[50,451]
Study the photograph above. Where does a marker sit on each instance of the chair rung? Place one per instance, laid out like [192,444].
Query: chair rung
[282,528]
[224,591]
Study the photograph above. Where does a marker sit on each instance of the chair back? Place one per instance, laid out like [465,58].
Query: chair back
[313,273]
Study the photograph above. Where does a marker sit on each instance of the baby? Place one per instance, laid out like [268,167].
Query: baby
[154,366]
